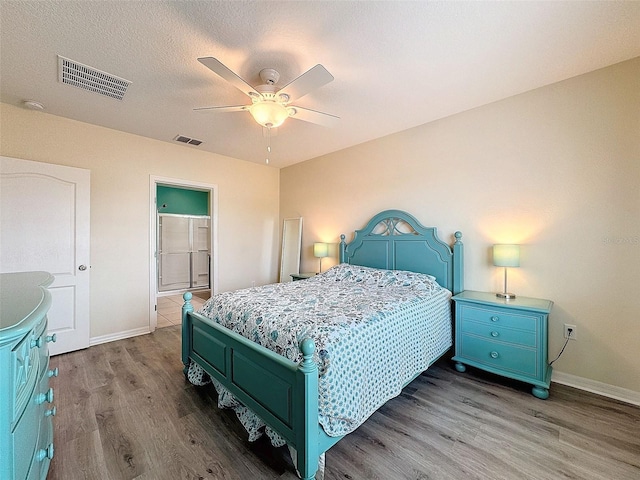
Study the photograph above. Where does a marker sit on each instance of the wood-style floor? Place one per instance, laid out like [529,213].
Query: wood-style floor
[125,411]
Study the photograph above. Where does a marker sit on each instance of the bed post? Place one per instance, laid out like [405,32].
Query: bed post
[343,246]
[309,450]
[458,264]
[186,337]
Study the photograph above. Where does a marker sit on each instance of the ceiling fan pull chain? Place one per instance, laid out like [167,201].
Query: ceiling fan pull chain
[268,144]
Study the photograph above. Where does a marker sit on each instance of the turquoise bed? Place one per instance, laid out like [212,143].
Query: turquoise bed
[284,393]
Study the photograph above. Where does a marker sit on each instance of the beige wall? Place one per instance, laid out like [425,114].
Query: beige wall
[121,165]
[556,169]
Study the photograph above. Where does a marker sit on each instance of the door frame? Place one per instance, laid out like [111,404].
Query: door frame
[154,181]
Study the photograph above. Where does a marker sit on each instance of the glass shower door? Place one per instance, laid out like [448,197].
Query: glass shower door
[174,266]
[183,252]
[200,252]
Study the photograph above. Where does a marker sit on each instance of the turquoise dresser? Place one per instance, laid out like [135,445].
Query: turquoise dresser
[26,429]
[506,337]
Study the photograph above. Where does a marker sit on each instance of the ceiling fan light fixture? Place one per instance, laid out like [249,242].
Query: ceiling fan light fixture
[269,114]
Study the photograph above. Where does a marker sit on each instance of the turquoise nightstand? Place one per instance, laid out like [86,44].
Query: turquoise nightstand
[505,337]
[301,276]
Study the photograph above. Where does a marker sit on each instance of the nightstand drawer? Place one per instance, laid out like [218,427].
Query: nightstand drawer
[499,355]
[494,332]
[498,317]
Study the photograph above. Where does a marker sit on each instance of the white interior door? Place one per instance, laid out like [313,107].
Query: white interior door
[44,225]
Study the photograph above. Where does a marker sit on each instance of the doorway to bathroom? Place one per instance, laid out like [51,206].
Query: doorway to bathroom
[183,245]
[183,239]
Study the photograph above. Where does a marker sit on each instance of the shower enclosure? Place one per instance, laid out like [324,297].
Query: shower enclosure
[183,252]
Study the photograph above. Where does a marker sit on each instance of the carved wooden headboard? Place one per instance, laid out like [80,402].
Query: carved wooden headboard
[395,240]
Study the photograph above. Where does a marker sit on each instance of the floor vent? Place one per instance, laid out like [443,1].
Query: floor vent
[88,78]
[190,141]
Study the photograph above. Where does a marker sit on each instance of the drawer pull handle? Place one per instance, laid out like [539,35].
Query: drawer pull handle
[36,343]
[45,453]
[51,338]
[493,354]
[45,397]
[494,334]
[494,318]
[50,413]
[53,373]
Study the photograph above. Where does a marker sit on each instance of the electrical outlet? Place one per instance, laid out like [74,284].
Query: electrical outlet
[574,334]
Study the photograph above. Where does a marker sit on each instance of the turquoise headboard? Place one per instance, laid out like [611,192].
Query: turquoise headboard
[395,240]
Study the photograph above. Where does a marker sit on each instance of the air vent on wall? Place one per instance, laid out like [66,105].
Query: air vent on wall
[190,141]
[89,78]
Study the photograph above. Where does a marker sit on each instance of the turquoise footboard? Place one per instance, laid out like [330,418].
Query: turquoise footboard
[282,393]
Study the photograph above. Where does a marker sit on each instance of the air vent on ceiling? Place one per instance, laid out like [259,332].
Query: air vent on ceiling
[190,141]
[89,78]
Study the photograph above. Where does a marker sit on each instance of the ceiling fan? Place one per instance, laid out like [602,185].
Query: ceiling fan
[271,106]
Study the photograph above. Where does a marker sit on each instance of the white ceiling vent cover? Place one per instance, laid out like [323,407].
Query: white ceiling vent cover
[83,76]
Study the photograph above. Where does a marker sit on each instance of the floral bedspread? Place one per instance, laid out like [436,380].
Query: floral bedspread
[374,331]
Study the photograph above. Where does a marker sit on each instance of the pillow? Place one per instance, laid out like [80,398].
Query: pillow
[375,276]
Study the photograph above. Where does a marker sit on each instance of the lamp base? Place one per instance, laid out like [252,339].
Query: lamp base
[505,295]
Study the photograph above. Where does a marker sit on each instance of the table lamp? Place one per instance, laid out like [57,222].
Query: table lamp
[506,256]
[320,250]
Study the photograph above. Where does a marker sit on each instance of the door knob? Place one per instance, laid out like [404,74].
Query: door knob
[82,268]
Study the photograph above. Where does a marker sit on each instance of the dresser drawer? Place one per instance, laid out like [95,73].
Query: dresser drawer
[32,426]
[525,338]
[498,317]
[25,436]
[44,451]
[25,359]
[499,355]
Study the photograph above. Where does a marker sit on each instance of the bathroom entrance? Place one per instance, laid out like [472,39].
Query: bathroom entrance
[183,233]
[183,239]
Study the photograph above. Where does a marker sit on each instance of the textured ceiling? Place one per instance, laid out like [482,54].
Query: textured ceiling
[396,64]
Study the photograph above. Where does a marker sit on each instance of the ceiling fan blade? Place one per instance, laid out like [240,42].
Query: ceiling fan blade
[312,116]
[233,108]
[217,67]
[308,81]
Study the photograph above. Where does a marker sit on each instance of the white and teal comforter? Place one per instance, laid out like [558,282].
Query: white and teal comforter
[374,331]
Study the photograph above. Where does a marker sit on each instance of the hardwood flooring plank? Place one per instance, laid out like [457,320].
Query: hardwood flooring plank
[100,372]
[123,452]
[79,458]
[70,389]
[77,417]
[622,459]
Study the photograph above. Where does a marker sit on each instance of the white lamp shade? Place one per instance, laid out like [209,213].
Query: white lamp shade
[506,255]
[320,250]
[269,114]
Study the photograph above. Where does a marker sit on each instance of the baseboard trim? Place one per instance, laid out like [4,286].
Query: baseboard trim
[604,389]
[112,337]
